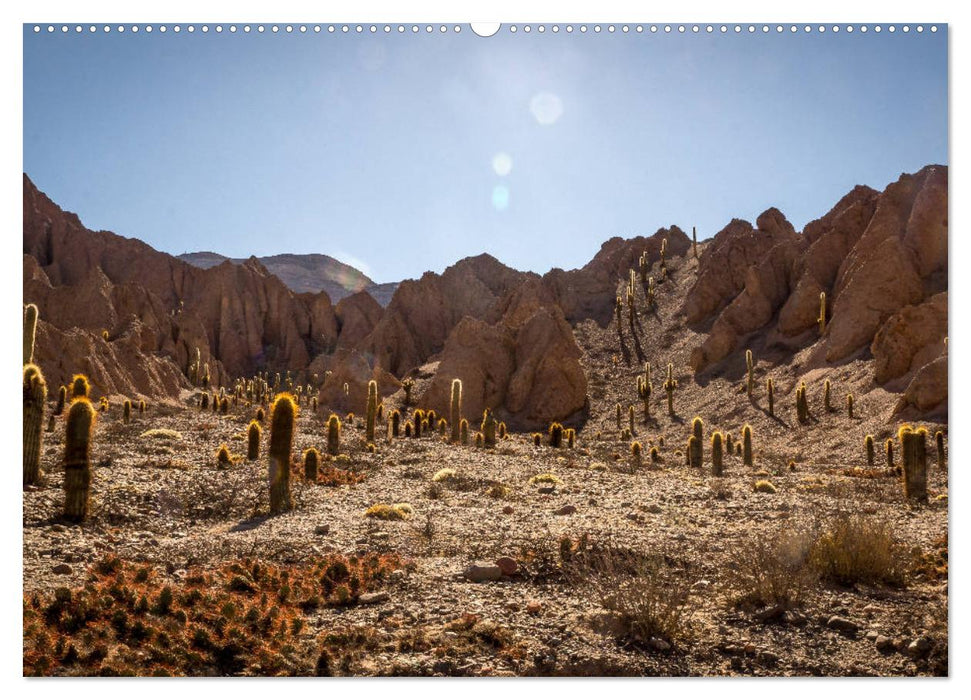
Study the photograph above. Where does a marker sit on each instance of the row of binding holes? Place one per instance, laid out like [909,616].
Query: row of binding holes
[513,28]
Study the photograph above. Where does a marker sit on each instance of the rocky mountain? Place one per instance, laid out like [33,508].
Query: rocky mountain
[880,258]
[311,272]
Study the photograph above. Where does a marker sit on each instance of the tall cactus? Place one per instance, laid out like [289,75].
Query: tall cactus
[372,410]
[644,390]
[334,434]
[822,313]
[77,459]
[395,421]
[750,367]
[619,415]
[126,411]
[769,393]
[802,404]
[455,410]
[939,444]
[914,451]
[698,432]
[30,332]
[870,449]
[488,428]
[282,421]
[35,397]
[670,384]
[889,448]
[849,405]
[747,446]
[253,440]
[694,241]
[826,401]
[717,453]
[630,418]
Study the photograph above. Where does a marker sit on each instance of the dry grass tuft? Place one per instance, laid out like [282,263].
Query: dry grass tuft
[856,549]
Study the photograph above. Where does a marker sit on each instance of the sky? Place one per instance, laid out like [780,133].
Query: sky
[401,153]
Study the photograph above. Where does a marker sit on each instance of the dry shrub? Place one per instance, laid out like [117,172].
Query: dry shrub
[772,572]
[856,549]
[647,594]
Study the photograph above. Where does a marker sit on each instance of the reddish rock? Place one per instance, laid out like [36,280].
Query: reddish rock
[927,391]
[910,339]
[357,316]
[354,369]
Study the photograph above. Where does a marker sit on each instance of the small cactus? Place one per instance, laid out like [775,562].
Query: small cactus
[826,402]
[443,427]
[889,453]
[224,405]
[822,313]
[204,402]
[419,420]
[126,411]
[694,241]
[870,451]
[750,369]
[380,414]
[747,446]
[80,388]
[620,416]
[455,409]
[311,460]
[408,385]
[372,410]
[630,419]
[30,332]
[913,448]
[939,444]
[670,384]
[347,389]
[635,453]
[768,391]
[655,456]
[35,398]
[644,390]
[849,405]
[488,428]
[141,407]
[802,404]
[408,429]
[695,455]
[61,400]
[728,444]
[253,435]
[464,431]
[501,430]
[537,440]
[716,454]
[479,440]
[556,435]
[333,434]
[223,459]
[260,415]
[395,423]
[282,420]
[77,459]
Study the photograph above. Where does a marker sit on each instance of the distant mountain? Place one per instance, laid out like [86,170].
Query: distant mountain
[311,272]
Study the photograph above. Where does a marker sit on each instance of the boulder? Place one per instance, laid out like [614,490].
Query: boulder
[926,395]
[354,369]
[910,338]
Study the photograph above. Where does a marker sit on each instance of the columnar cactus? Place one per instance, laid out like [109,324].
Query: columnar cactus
[939,444]
[849,405]
[408,429]
[455,410]
[889,448]
[395,423]
[126,411]
[35,398]
[822,313]
[61,400]
[333,434]
[670,384]
[694,452]
[571,437]
[141,407]
[694,241]
[644,390]
[728,444]
[635,454]
[870,450]
[408,385]
[282,421]
[464,431]
[30,332]
[372,410]
[556,435]
[768,391]
[618,310]
[204,402]
[747,446]
[311,460]
[77,459]
[537,440]
[826,402]
[750,368]
[419,422]
[488,428]
[913,448]
[253,435]
[716,454]
[630,419]
[443,428]
[802,404]
[79,386]
[380,409]
[698,432]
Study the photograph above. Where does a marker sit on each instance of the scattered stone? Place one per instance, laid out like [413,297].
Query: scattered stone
[533,607]
[658,644]
[769,658]
[842,625]
[483,571]
[508,510]
[566,510]
[57,527]
[884,643]
[62,569]
[373,598]
[547,489]
[654,508]
[919,647]
[398,575]
[322,529]
[508,565]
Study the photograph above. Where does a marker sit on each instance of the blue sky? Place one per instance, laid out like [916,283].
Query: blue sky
[404,153]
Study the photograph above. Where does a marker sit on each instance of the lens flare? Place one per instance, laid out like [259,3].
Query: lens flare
[546,107]
[502,164]
[500,197]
